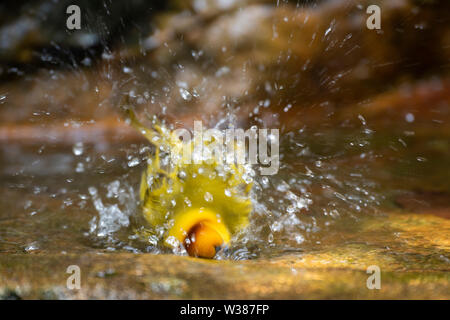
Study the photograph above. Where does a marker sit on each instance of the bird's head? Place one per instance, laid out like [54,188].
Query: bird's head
[201,231]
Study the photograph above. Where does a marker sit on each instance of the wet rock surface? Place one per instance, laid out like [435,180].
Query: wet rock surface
[411,250]
[415,266]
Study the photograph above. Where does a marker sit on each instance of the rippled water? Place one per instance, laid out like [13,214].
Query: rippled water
[81,198]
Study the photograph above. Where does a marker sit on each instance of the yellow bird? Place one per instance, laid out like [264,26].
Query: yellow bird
[198,206]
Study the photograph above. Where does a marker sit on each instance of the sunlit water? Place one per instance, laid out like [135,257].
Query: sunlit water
[84,197]
[78,199]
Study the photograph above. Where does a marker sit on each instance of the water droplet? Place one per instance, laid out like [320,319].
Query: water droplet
[133,162]
[113,189]
[247,178]
[409,117]
[276,226]
[299,239]
[186,95]
[265,182]
[286,109]
[182,174]
[127,70]
[421,159]
[80,167]
[208,197]
[92,191]
[86,62]
[78,148]
[32,247]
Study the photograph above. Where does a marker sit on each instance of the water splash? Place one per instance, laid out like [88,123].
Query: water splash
[112,217]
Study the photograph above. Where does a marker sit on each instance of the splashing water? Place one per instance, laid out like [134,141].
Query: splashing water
[333,172]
